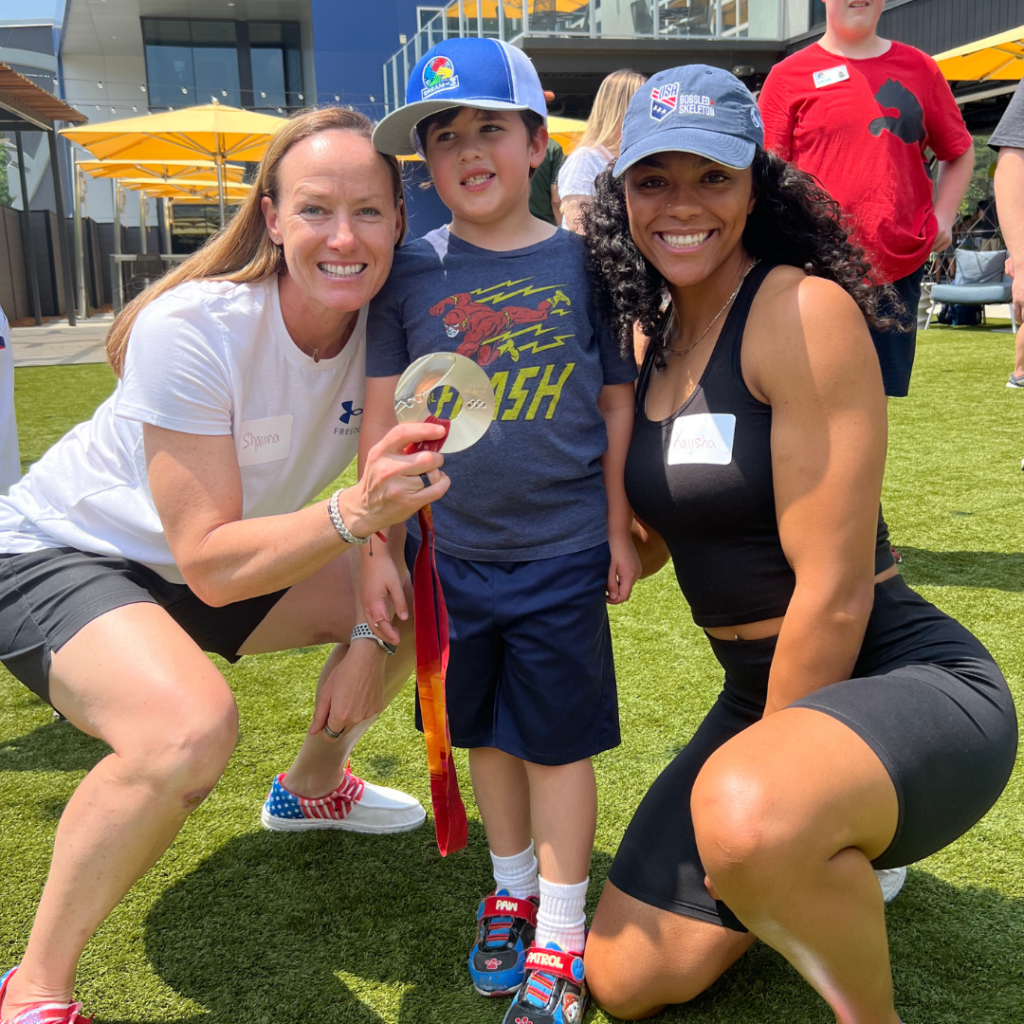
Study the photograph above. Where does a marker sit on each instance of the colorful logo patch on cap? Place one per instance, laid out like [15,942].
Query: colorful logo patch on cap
[438,74]
[663,100]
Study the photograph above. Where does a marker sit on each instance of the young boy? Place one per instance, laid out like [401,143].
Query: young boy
[533,535]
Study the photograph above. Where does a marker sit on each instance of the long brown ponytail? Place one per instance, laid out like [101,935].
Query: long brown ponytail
[242,251]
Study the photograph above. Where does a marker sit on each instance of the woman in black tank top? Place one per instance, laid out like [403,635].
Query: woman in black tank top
[859,727]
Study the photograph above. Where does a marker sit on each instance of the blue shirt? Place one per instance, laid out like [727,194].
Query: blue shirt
[533,486]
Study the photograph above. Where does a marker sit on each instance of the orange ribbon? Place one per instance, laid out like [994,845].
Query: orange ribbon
[431,668]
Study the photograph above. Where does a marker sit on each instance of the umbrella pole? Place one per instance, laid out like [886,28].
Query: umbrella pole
[142,221]
[76,177]
[220,188]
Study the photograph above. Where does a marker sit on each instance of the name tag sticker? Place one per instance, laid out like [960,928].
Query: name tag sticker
[704,439]
[830,76]
[266,440]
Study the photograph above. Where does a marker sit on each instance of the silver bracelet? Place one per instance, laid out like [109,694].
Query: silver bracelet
[338,523]
[363,632]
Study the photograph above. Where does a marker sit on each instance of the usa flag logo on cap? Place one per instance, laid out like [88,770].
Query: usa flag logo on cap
[664,99]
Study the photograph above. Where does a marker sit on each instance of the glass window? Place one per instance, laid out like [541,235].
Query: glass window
[190,62]
[817,13]
[276,65]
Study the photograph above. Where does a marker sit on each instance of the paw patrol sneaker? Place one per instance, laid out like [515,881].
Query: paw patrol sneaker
[554,990]
[505,927]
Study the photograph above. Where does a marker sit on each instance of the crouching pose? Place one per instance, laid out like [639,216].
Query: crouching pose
[172,523]
[859,727]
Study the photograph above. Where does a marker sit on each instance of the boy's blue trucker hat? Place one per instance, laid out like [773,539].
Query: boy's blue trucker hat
[483,73]
[693,109]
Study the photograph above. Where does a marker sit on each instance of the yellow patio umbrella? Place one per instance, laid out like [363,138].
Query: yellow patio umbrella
[514,8]
[998,58]
[181,188]
[566,131]
[165,170]
[211,131]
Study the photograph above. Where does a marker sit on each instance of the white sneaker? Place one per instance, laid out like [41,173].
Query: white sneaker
[891,880]
[356,805]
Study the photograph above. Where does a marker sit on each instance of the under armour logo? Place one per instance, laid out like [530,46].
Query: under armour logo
[348,412]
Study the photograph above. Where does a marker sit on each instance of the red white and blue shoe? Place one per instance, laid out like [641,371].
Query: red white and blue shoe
[554,990]
[505,927]
[41,1013]
[356,805]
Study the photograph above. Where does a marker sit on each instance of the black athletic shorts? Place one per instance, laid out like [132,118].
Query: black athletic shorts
[47,596]
[925,696]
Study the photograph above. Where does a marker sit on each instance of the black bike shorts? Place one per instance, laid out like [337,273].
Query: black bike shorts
[925,696]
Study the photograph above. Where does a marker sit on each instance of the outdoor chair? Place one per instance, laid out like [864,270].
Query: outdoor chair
[980,281]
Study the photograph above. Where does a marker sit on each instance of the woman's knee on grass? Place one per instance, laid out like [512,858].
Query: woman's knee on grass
[182,744]
[640,958]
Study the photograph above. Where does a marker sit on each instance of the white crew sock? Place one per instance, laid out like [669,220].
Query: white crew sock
[517,874]
[560,917]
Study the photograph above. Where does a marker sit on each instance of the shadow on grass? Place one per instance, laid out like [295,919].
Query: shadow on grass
[327,927]
[331,927]
[55,747]
[992,569]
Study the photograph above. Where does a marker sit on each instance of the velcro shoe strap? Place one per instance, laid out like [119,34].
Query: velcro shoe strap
[552,961]
[509,906]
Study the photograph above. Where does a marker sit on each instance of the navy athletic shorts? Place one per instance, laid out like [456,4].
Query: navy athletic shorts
[47,596]
[925,695]
[896,348]
[530,667]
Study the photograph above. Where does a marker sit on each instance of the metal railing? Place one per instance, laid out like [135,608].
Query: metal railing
[517,20]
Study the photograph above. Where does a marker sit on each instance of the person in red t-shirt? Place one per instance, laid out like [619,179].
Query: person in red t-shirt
[858,112]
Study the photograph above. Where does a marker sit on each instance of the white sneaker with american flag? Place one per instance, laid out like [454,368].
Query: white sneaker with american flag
[356,805]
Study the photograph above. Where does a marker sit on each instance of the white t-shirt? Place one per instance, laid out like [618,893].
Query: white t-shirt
[209,357]
[10,460]
[581,167]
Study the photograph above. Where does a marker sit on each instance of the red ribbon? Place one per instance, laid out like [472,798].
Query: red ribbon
[431,668]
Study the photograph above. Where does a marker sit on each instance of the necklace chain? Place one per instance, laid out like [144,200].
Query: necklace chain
[728,302]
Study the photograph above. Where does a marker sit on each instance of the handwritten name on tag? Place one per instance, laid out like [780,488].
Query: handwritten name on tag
[830,76]
[266,440]
[704,439]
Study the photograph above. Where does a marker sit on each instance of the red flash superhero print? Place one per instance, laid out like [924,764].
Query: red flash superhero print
[480,324]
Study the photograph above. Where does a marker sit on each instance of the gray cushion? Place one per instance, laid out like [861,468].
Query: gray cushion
[979,267]
[973,294]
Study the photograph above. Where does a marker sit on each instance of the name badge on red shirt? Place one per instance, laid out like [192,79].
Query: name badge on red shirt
[830,76]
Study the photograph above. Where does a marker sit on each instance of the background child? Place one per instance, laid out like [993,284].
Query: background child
[533,535]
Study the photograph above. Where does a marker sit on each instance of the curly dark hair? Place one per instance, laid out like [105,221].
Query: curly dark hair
[794,221]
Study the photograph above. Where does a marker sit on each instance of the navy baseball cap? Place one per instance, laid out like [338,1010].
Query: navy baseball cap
[693,109]
[484,73]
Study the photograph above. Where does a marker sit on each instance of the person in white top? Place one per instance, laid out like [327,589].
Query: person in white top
[176,521]
[599,145]
[10,459]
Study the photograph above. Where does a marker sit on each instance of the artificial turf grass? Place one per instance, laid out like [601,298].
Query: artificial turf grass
[237,924]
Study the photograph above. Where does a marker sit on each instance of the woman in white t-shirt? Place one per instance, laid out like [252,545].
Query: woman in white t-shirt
[173,522]
[600,143]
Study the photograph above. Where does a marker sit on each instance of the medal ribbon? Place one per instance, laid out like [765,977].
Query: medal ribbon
[431,632]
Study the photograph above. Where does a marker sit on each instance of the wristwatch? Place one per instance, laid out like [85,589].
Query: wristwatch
[363,632]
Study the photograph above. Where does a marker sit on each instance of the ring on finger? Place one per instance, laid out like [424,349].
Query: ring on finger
[425,479]
[330,732]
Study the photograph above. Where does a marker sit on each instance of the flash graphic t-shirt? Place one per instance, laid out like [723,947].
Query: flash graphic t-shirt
[207,357]
[861,127]
[532,487]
